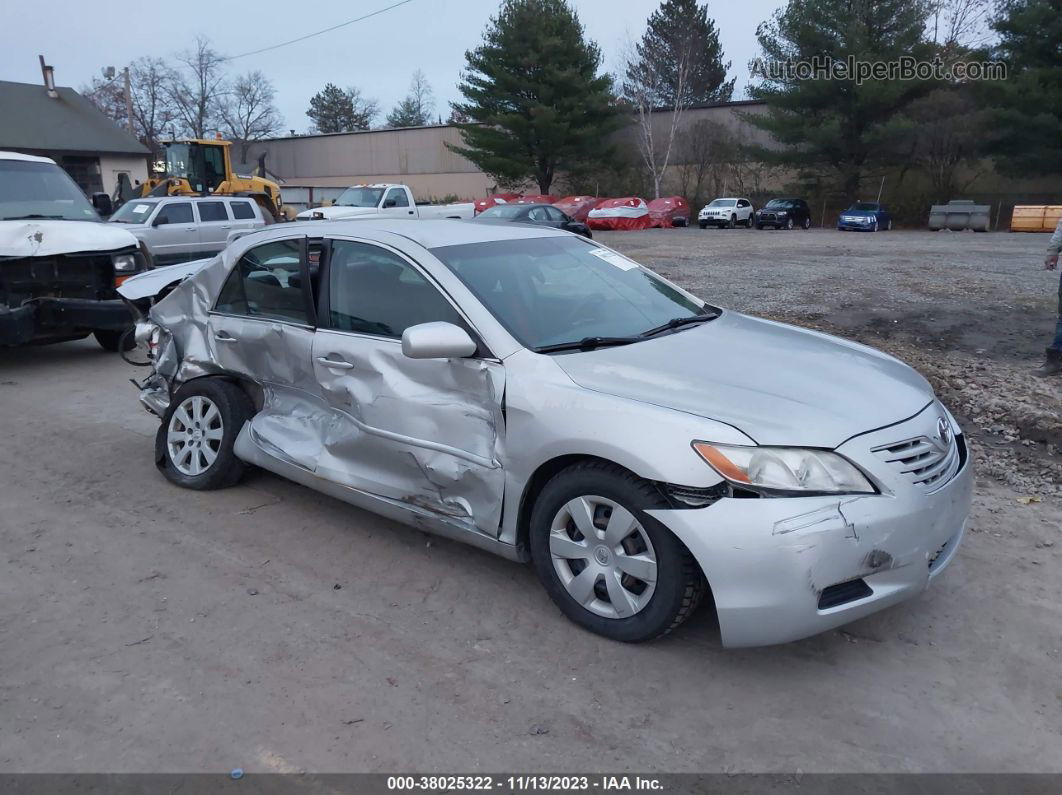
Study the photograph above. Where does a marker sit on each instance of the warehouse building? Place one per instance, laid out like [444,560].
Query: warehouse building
[419,157]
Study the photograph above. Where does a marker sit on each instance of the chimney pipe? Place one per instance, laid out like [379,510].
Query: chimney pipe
[49,78]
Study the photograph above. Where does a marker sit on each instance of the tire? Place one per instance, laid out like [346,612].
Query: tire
[807,224]
[702,224]
[749,222]
[645,610]
[874,227]
[888,226]
[731,223]
[111,340]
[232,408]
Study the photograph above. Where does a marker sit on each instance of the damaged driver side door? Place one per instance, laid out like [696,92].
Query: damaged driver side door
[419,433]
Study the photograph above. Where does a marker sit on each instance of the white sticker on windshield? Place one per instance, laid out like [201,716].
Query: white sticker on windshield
[141,208]
[612,258]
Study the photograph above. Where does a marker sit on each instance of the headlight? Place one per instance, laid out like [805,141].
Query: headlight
[789,469]
[124,263]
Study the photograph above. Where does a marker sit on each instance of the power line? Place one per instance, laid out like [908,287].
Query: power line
[318,33]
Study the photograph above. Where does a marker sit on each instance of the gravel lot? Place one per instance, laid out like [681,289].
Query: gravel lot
[147,628]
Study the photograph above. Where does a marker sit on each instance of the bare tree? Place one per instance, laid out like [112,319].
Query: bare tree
[960,25]
[706,155]
[195,88]
[248,113]
[643,88]
[416,109]
[950,127]
[153,111]
[149,80]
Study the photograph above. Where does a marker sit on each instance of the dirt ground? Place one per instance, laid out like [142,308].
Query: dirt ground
[146,628]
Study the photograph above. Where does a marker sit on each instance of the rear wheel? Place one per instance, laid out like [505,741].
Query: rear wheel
[807,222]
[607,564]
[199,431]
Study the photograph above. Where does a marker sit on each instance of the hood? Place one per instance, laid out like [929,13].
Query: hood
[150,283]
[47,238]
[778,384]
[334,212]
[860,213]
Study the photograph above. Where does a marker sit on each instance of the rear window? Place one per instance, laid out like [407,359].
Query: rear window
[242,211]
[212,211]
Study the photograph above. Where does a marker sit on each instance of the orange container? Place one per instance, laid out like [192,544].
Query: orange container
[1035,217]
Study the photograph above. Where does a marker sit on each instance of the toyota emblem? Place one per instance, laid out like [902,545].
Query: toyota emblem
[944,430]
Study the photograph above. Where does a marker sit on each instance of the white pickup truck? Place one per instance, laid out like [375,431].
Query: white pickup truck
[385,201]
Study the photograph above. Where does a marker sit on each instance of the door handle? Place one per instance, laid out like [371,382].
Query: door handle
[225,227]
[221,336]
[338,364]
[190,229]
[411,212]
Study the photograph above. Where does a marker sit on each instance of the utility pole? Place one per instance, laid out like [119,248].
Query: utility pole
[129,102]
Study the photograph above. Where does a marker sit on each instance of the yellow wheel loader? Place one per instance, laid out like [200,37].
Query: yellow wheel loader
[201,166]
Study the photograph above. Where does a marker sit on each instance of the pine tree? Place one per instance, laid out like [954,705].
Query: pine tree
[680,36]
[836,123]
[534,100]
[334,110]
[1025,117]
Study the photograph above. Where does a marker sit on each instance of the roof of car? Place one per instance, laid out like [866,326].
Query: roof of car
[429,233]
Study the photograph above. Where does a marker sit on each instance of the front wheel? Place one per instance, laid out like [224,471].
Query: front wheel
[702,224]
[114,341]
[198,433]
[789,224]
[733,220]
[874,226]
[607,564]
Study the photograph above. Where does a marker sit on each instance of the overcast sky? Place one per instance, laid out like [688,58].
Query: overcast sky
[377,55]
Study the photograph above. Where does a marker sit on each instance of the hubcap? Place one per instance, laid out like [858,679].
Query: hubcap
[603,557]
[193,438]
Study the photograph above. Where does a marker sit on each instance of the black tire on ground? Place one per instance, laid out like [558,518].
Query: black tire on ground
[234,408]
[680,585]
[749,222]
[702,224]
[110,340]
[807,223]
[789,224]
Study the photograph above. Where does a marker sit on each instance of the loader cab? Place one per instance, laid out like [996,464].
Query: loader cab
[203,163]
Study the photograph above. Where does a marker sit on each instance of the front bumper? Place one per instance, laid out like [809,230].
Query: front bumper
[57,317]
[859,226]
[769,560]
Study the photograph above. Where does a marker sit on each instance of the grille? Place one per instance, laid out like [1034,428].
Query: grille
[63,276]
[926,462]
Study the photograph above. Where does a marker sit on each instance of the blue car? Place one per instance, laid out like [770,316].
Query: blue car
[865,217]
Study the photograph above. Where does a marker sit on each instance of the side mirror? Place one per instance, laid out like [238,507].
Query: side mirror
[102,203]
[391,203]
[160,219]
[437,340]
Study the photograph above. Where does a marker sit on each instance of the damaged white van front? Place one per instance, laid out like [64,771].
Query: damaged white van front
[59,265]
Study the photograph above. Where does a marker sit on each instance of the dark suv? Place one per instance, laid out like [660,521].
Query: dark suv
[784,214]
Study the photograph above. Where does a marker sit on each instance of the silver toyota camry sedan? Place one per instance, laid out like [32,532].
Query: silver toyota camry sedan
[538,395]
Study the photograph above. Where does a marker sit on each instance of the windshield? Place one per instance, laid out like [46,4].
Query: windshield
[868,207]
[179,161]
[503,211]
[723,203]
[360,197]
[41,190]
[552,290]
[133,212]
[781,204]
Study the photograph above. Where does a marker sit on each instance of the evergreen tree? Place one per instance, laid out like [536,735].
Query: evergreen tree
[534,100]
[415,110]
[839,123]
[334,110]
[681,37]
[1025,119]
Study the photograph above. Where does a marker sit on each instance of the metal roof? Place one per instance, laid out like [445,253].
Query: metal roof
[68,123]
[427,233]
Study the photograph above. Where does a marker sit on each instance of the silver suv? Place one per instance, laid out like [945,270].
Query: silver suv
[181,228]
